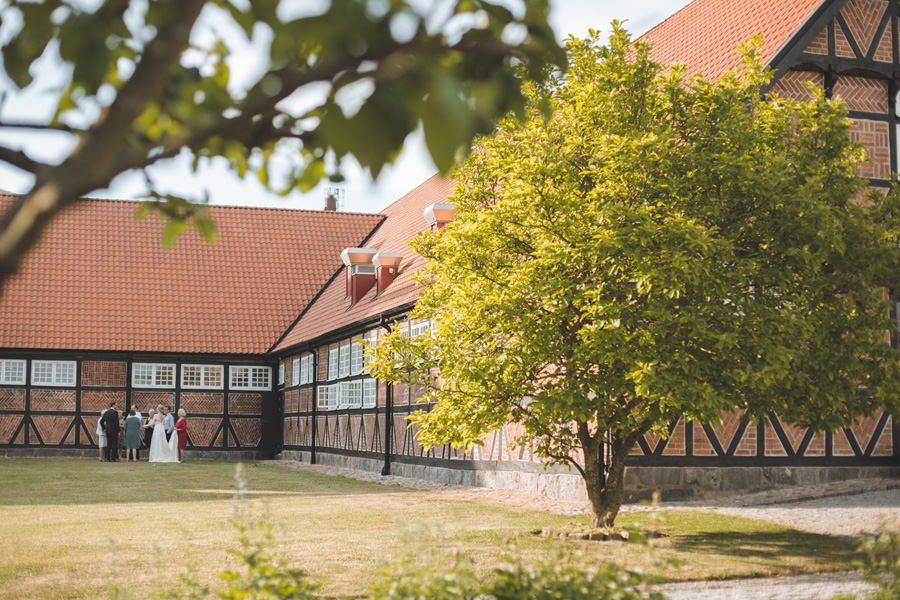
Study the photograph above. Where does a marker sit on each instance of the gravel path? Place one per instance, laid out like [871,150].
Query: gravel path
[838,515]
[845,508]
[800,587]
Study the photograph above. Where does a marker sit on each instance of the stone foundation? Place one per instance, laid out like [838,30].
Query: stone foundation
[673,483]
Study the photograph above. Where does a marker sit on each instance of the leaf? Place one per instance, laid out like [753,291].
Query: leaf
[174,228]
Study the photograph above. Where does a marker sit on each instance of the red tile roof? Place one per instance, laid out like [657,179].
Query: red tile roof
[100,280]
[705,34]
[404,220]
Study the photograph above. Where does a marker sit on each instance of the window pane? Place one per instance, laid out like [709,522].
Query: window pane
[190,376]
[212,377]
[345,360]
[333,363]
[42,372]
[240,377]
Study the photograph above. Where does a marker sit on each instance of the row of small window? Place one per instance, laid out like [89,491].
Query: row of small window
[347,360]
[144,375]
[348,394]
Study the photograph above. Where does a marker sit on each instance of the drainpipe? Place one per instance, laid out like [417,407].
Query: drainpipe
[315,405]
[388,416]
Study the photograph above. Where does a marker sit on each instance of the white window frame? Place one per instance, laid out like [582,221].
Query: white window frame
[296,375]
[420,328]
[204,370]
[252,371]
[281,373]
[306,369]
[370,392]
[6,365]
[157,371]
[333,356]
[328,397]
[357,351]
[351,394]
[344,360]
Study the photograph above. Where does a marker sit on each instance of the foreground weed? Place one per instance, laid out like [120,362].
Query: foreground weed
[261,574]
[882,564]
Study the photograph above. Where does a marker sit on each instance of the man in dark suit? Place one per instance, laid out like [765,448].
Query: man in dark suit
[110,424]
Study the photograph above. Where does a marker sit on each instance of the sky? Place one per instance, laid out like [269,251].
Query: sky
[362,194]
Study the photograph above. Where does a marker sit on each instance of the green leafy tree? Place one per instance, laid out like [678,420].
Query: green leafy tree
[142,82]
[662,246]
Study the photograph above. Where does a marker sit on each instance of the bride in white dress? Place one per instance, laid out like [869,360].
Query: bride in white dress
[162,450]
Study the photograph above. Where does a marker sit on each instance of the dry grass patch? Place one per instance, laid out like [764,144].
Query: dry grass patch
[67,524]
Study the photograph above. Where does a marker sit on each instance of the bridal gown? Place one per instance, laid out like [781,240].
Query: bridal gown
[162,450]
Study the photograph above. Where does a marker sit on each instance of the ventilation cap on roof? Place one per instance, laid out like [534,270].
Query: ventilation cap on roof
[387,265]
[439,214]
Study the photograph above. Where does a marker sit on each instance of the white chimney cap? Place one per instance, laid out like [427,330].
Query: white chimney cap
[358,256]
[387,259]
[439,213]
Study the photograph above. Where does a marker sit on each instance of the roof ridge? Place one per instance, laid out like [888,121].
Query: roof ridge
[125,201]
[400,199]
[667,19]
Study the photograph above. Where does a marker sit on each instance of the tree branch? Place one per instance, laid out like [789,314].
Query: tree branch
[93,162]
[19,159]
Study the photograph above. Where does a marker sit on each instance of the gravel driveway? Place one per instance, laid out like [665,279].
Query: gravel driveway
[838,515]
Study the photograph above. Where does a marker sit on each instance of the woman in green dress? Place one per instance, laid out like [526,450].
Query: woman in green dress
[132,436]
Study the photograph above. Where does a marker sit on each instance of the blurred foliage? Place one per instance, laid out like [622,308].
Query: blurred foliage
[143,81]
[882,563]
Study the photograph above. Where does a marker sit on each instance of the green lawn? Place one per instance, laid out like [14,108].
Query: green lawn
[65,525]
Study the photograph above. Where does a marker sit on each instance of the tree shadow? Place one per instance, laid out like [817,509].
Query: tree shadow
[769,548]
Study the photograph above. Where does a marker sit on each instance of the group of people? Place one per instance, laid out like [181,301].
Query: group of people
[165,437]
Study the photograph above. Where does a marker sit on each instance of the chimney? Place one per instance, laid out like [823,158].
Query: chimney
[439,215]
[360,272]
[334,198]
[387,265]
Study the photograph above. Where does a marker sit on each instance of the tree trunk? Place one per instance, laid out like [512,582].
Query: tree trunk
[605,498]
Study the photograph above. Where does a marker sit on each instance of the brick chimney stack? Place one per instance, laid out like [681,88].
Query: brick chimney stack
[334,198]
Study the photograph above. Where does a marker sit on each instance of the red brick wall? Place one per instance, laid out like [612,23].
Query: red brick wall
[104,374]
[99,401]
[147,400]
[52,428]
[792,84]
[8,426]
[885,47]
[842,47]
[874,136]
[862,94]
[12,399]
[863,17]
[820,44]
[201,402]
[53,400]
[246,404]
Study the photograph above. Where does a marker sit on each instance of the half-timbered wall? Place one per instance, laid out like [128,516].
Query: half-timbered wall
[36,416]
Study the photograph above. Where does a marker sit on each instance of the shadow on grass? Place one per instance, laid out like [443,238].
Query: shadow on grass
[772,548]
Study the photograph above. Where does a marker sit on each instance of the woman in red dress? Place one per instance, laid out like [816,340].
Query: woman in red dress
[181,428]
